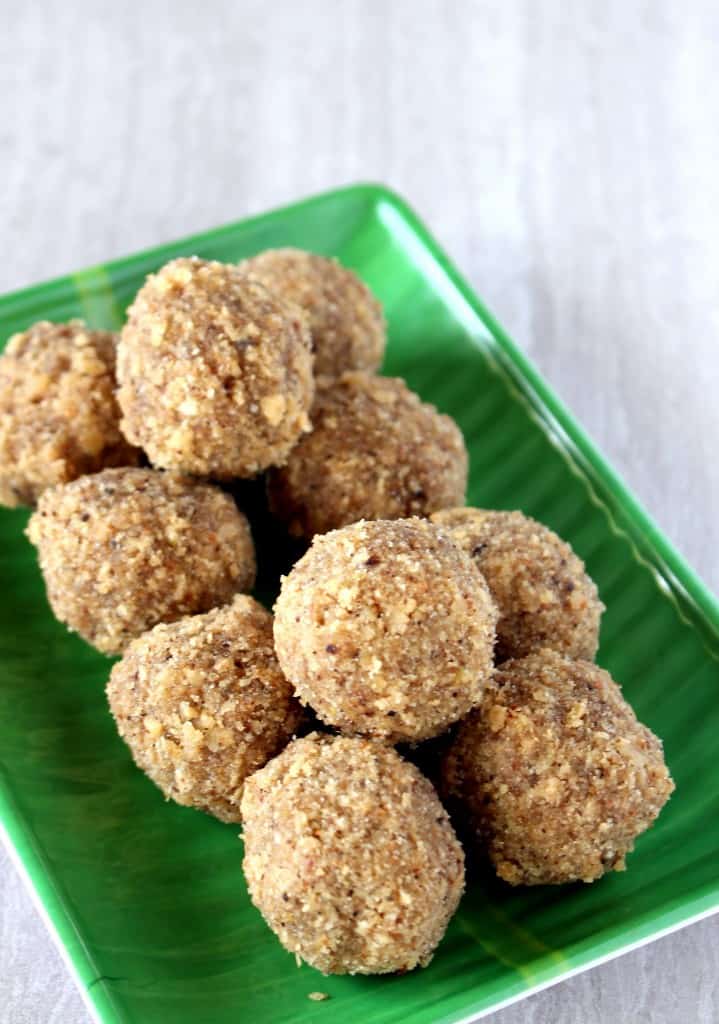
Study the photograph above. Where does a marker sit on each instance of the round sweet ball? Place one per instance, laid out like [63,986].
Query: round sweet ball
[376,451]
[58,414]
[350,856]
[345,319]
[552,775]
[386,629]
[125,549]
[544,595]
[202,704]
[215,372]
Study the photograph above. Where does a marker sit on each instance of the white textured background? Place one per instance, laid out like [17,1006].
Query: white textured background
[567,156]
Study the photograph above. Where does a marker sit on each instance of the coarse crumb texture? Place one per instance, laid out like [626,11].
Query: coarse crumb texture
[350,856]
[544,596]
[127,548]
[386,629]
[345,319]
[58,414]
[215,372]
[202,704]
[552,775]
[376,451]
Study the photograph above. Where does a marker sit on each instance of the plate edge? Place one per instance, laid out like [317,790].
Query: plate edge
[105,1015]
[573,972]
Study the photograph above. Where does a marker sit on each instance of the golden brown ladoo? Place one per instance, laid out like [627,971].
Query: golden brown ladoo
[544,596]
[202,704]
[349,856]
[345,319]
[552,775]
[376,451]
[215,372]
[386,629]
[58,414]
[127,548]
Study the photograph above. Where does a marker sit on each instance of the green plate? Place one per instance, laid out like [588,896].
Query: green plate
[147,899]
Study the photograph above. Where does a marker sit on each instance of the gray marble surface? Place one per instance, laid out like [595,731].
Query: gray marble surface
[567,156]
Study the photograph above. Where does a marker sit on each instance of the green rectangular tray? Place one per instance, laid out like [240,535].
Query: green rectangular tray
[147,899]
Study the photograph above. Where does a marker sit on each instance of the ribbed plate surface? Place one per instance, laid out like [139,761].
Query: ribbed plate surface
[148,898]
